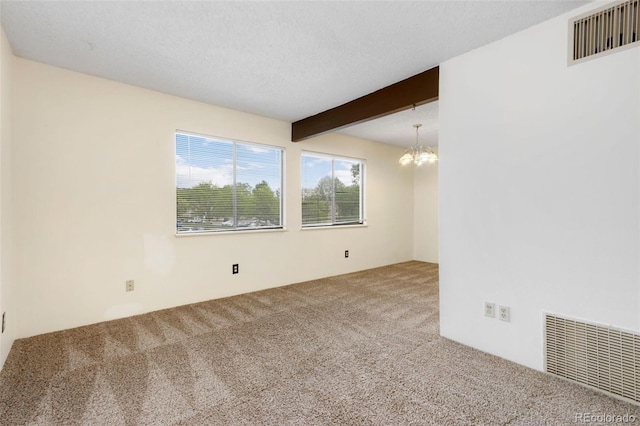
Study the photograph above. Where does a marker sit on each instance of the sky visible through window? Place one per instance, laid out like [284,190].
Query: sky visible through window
[200,159]
[315,168]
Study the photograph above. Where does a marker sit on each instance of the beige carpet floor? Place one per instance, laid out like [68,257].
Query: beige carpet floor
[356,349]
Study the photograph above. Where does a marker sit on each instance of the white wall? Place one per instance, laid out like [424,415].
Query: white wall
[425,213]
[539,190]
[8,280]
[95,191]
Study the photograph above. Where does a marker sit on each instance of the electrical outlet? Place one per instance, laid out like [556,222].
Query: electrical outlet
[235,268]
[504,313]
[489,309]
[3,315]
[129,285]
[346,253]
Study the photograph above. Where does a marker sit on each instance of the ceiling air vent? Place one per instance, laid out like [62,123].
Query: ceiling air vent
[607,29]
[602,357]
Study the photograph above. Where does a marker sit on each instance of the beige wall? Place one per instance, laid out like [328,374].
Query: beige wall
[95,190]
[425,213]
[7,225]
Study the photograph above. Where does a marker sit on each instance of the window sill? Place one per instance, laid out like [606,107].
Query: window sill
[244,231]
[313,228]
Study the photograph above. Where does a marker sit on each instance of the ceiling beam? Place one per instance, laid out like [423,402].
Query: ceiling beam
[413,91]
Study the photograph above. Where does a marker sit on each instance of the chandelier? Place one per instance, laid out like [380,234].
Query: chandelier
[418,154]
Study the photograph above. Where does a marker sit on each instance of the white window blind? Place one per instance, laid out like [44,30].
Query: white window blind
[332,190]
[225,185]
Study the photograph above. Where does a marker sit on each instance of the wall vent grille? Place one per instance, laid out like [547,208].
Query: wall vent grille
[607,29]
[602,357]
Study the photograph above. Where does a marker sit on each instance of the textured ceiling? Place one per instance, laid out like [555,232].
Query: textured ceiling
[286,60]
[397,129]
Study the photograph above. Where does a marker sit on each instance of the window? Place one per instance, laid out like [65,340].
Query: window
[225,185]
[332,190]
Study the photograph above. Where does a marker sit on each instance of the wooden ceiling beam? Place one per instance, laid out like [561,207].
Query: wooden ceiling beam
[413,91]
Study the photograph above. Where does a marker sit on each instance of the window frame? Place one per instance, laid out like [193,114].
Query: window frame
[362,199]
[235,228]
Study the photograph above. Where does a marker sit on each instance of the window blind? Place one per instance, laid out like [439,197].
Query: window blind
[226,185]
[331,190]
